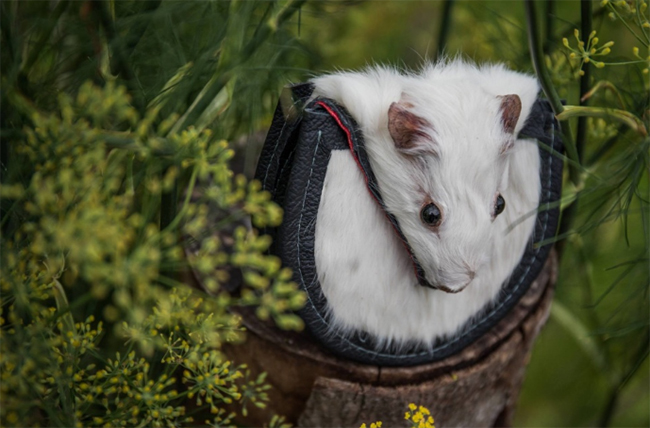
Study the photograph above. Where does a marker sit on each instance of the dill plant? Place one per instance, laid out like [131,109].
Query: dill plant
[83,233]
[604,235]
[112,162]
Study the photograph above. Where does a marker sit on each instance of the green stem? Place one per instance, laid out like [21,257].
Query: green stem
[119,61]
[78,302]
[547,85]
[202,101]
[620,18]
[612,401]
[445,24]
[603,84]
[19,101]
[539,64]
[586,271]
[585,27]
[569,213]
[65,394]
[264,18]
[272,26]
[608,413]
[640,21]
[548,23]
[609,113]
[640,61]
[568,31]
[580,334]
[606,146]
[63,307]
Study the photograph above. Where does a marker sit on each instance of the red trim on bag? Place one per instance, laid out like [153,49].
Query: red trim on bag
[365,177]
[347,132]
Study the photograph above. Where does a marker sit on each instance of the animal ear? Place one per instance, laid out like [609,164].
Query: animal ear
[510,111]
[409,131]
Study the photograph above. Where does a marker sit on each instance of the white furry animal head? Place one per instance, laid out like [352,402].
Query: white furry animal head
[440,144]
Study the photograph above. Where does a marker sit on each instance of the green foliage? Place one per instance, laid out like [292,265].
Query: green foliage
[94,228]
[88,229]
[605,202]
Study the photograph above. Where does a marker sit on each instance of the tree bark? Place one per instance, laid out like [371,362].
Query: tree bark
[477,387]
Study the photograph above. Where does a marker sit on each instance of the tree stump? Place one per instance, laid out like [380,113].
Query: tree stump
[477,387]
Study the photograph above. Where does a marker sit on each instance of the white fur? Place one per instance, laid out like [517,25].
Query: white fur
[363,268]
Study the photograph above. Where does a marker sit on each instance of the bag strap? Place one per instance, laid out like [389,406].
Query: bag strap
[276,159]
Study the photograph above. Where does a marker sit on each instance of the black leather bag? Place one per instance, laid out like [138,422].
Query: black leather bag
[292,168]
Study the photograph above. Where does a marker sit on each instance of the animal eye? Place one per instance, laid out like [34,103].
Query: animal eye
[499,205]
[431,215]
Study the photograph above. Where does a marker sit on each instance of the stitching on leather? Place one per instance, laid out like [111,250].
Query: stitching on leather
[286,162]
[302,211]
[435,350]
[275,149]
